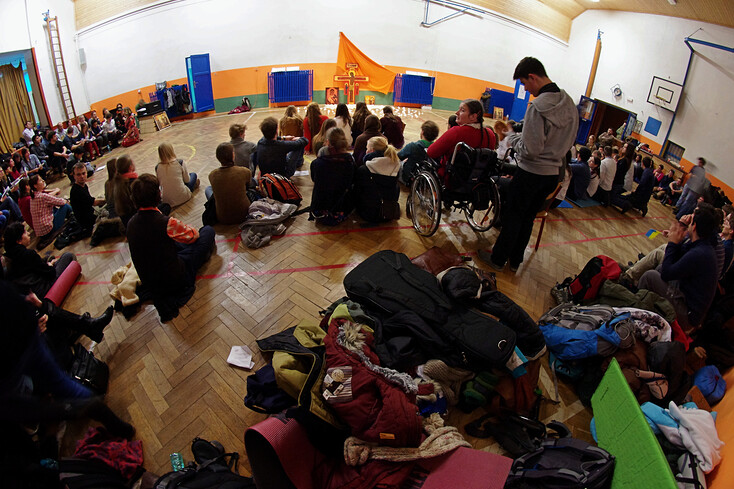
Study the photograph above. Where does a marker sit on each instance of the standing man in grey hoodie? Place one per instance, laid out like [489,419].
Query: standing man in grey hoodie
[550,128]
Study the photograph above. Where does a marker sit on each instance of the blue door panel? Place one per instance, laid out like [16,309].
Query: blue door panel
[200,82]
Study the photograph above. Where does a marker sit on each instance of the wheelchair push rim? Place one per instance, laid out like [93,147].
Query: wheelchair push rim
[425,203]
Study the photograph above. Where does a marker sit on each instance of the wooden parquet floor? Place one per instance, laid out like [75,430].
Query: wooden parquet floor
[172,382]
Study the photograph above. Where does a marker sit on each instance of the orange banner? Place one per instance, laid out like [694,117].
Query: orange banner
[380,78]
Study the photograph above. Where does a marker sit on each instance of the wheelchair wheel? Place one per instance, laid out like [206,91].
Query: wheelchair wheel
[425,203]
[482,220]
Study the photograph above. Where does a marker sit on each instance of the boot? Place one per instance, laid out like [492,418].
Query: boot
[93,328]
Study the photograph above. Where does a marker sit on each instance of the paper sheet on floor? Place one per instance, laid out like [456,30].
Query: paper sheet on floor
[301,173]
[240,356]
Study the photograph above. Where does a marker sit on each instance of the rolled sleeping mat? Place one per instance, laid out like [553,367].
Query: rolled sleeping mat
[63,284]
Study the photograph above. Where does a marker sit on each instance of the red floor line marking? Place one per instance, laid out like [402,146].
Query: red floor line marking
[605,218]
[591,239]
[118,250]
[577,229]
[304,269]
[229,274]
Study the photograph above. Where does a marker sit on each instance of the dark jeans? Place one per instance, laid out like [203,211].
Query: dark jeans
[197,253]
[39,364]
[10,205]
[525,197]
[60,215]
[191,184]
[618,200]
[294,160]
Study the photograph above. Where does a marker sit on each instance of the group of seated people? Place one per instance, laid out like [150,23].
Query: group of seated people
[82,139]
[364,179]
[607,174]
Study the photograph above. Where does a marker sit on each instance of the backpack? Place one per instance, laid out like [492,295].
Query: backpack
[573,332]
[211,470]
[387,282]
[470,168]
[563,463]
[587,283]
[571,316]
[278,187]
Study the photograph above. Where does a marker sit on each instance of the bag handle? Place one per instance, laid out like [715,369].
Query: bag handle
[440,299]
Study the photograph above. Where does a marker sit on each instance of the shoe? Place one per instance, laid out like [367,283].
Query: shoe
[514,268]
[94,327]
[486,257]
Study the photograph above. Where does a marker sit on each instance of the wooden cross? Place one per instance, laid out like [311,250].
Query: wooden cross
[351,79]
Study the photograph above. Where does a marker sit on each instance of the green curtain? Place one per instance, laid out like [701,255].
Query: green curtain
[15,106]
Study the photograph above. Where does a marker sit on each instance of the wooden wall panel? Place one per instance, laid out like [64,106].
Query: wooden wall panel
[551,16]
[88,12]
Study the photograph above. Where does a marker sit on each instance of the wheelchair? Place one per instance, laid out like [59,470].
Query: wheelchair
[470,189]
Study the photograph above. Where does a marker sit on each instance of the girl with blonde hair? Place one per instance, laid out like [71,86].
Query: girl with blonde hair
[312,124]
[176,182]
[291,124]
[376,190]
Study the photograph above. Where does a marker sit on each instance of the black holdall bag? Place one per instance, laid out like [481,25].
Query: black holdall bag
[89,371]
[387,282]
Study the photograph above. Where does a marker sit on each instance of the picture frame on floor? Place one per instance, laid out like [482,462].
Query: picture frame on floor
[161,121]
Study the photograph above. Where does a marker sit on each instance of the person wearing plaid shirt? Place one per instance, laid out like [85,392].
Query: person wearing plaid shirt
[47,209]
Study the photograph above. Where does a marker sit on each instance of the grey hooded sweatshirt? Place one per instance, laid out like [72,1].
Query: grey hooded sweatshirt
[551,124]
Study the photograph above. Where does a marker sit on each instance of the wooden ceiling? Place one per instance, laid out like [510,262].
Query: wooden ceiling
[555,16]
[551,16]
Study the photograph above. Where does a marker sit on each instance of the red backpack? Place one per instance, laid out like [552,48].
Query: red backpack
[587,283]
[278,187]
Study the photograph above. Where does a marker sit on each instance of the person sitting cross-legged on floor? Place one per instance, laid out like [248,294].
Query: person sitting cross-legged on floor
[332,174]
[26,268]
[177,184]
[48,210]
[229,187]
[640,197]
[275,154]
[82,201]
[376,182]
[688,275]
[165,251]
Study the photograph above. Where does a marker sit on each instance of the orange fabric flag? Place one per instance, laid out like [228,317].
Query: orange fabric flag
[380,78]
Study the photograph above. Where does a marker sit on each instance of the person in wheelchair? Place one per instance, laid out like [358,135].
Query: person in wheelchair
[469,130]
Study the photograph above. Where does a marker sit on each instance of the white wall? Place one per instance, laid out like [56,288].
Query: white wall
[637,47]
[244,33]
[20,31]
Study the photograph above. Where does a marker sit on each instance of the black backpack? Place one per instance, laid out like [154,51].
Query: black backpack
[213,469]
[562,463]
[387,283]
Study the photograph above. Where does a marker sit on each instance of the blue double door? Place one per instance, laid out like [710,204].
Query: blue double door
[200,82]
